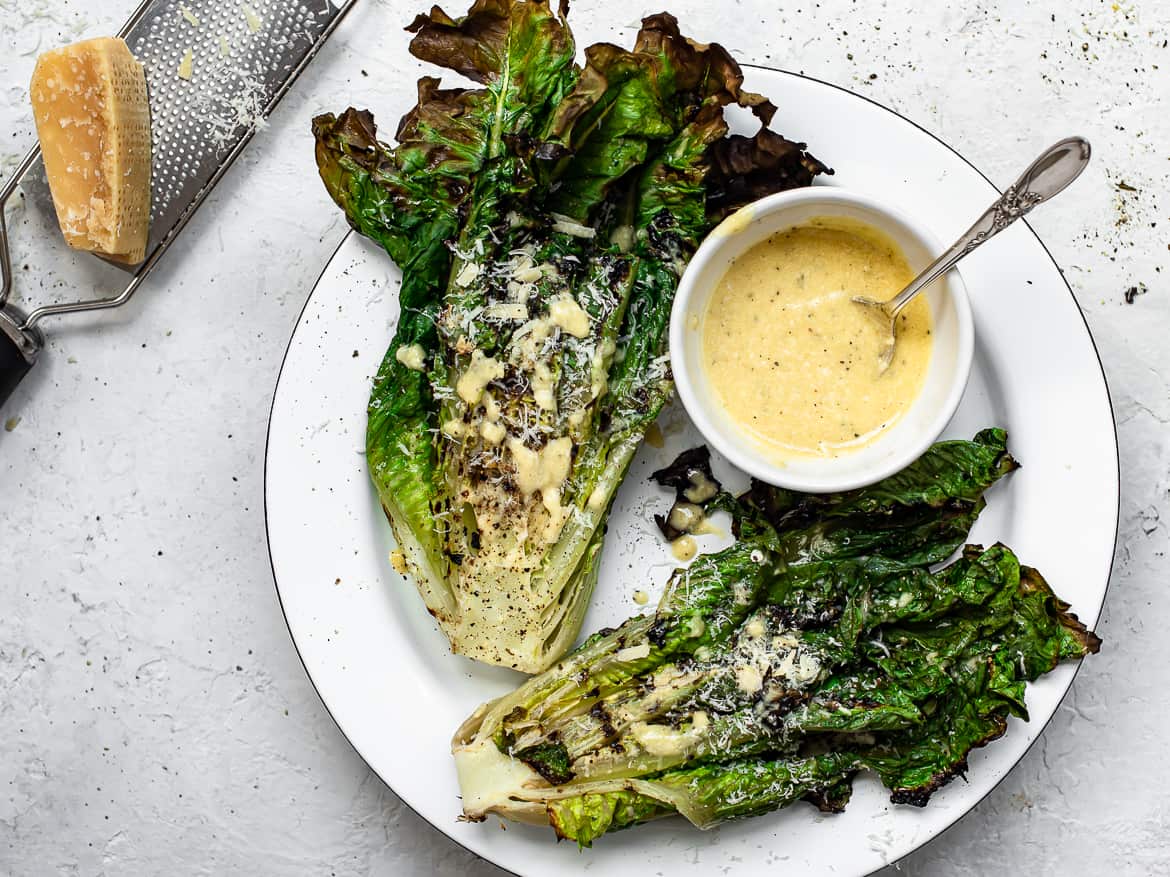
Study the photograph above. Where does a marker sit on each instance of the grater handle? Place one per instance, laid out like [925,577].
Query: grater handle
[13,367]
[18,352]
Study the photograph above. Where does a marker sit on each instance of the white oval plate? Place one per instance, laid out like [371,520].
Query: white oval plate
[384,670]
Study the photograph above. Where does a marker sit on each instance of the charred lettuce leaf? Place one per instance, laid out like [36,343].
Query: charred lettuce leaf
[541,219]
[824,642]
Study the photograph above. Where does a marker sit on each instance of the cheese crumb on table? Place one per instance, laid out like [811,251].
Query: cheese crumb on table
[93,120]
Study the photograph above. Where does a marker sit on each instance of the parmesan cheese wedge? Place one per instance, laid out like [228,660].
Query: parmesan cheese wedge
[93,121]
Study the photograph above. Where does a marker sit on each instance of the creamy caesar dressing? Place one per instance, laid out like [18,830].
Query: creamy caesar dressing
[544,470]
[684,548]
[794,360]
[563,311]
[412,356]
[481,372]
[667,740]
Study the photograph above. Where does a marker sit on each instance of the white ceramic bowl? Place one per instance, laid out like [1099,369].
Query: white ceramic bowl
[946,378]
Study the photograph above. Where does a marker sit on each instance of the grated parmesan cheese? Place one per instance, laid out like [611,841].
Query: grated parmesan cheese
[568,225]
[506,311]
[467,274]
[633,653]
[749,679]
[251,18]
[184,71]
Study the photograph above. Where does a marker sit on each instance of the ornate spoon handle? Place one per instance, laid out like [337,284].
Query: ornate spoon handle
[1049,174]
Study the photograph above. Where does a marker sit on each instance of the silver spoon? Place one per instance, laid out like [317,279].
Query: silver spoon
[1049,174]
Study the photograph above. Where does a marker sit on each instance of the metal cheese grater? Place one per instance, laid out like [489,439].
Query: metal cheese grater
[244,57]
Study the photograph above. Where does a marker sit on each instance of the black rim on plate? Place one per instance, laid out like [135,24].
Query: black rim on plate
[1117,515]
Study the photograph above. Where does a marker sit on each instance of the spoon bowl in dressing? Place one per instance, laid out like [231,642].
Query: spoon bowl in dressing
[803,364]
[1052,171]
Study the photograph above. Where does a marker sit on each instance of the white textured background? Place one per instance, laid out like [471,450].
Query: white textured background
[154,717]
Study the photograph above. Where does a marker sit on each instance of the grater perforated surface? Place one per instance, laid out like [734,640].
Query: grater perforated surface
[242,55]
